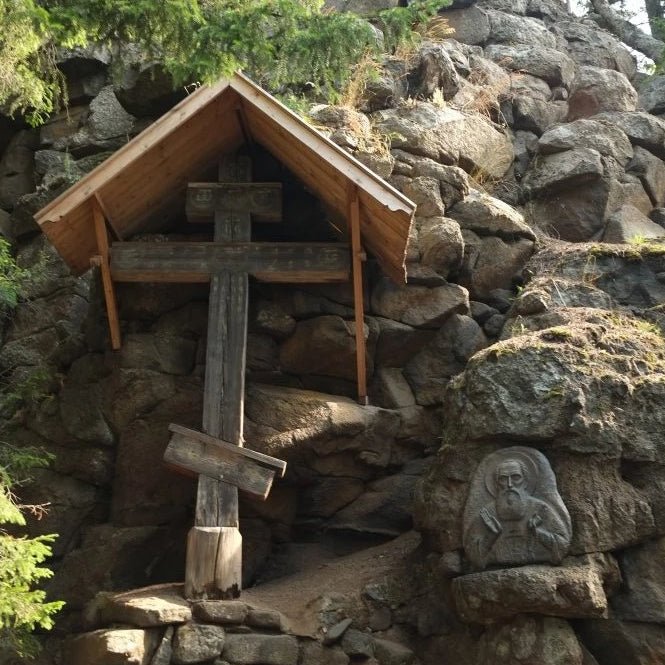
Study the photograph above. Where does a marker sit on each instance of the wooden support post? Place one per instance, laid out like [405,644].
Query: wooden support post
[219,576]
[212,562]
[102,259]
[357,258]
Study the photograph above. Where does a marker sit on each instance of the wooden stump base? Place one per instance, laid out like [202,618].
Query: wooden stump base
[214,563]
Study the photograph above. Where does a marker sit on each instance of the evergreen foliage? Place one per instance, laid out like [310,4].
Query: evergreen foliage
[281,43]
[22,607]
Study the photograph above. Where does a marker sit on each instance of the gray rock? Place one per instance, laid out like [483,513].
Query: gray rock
[530,641]
[357,644]
[145,88]
[549,173]
[388,88]
[388,652]
[398,342]
[453,181]
[537,116]
[324,345]
[441,245]
[651,172]
[471,25]
[145,491]
[269,318]
[606,138]
[265,619]
[164,649]
[574,591]
[220,611]
[264,649]
[16,168]
[108,558]
[418,305]
[641,596]
[652,95]
[279,422]
[194,643]
[596,90]
[577,213]
[313,653]
[444,357]
[384,508]
[391,390]
[531,367]
[509,29]
[334,633]
[626,642]
[494,325]
[555,67]
[448,136]
[485,215]
[156,606]
[433,69]
[490,263]
[642,129]
[426,194]
[658,215]
[628,223]
[587,45]
[169,354]
[111,647]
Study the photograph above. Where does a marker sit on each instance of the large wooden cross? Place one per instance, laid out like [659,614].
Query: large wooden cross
[213,566]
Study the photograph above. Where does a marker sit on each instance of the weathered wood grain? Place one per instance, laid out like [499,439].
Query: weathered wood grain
[273,463]
[220,462]
[214,563]
[197,261]
[262,200]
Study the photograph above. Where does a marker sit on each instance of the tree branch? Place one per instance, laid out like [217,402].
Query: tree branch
[627,32]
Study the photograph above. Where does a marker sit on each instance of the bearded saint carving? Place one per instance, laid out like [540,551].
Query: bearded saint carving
[514,514]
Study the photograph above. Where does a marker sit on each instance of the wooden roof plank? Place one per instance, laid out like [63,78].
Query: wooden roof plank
[116,163]
[159,162]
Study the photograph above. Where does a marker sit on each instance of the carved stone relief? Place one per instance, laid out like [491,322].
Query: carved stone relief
[514,514]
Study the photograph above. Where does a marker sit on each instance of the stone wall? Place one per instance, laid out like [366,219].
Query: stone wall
[528,124]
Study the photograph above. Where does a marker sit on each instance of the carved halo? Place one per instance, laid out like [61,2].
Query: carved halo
[532,468]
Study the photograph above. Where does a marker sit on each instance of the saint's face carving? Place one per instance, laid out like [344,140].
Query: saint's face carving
[514,513]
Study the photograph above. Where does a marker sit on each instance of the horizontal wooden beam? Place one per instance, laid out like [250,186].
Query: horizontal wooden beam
[278,465]
[262,200]
[197,261]
[218,459]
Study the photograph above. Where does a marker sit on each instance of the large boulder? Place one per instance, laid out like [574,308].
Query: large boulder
[471,25]
[651,172]
[486,215]
[119,646]
[652,95]
[605,137]
[549,173]
[574,591]
[596,90]
[419,306]
[628,224]
[642,129]
[447,136]
[510,29]
[586,44]
[17,168]
[549,64]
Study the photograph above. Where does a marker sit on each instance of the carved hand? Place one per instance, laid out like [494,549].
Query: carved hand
[490,521]
[535,522]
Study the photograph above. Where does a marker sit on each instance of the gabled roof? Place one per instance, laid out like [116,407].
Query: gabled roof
[189,138]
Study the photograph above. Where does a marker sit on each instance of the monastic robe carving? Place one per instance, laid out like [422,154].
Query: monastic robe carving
[514,514]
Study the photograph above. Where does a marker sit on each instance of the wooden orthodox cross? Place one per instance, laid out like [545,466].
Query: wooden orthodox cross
[214,546]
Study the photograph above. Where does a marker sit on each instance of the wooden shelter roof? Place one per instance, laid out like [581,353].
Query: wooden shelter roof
[158,163]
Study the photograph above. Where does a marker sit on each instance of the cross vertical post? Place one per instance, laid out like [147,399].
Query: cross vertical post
[214,545]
